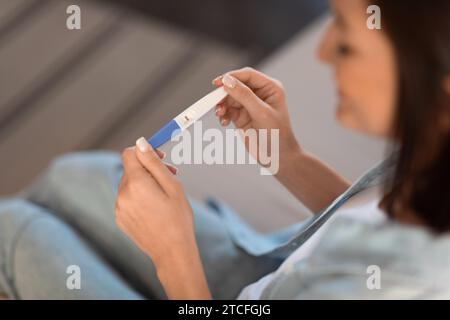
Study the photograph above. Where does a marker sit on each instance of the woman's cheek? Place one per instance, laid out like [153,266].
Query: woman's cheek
[365,110]
[380,115]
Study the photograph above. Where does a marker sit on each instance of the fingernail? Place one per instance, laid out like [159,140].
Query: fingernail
[229,81]
[171,168]
[216,79]
[143,145]
[219,110]
[163,154]
[223,122]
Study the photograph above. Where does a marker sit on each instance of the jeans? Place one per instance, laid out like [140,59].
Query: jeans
[66,218]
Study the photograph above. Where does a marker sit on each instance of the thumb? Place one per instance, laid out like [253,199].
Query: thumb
[152,162]
[244,95]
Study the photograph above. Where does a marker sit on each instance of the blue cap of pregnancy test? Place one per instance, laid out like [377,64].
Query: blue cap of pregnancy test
[164,134]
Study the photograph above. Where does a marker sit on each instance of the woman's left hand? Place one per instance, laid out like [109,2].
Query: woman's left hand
[153,211]
[151,207]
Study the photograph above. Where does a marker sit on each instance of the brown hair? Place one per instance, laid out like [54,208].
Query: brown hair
[420,33]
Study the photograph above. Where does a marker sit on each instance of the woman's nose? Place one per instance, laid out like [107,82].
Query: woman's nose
[326,46]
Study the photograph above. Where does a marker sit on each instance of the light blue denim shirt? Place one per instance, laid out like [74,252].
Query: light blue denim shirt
[410,262]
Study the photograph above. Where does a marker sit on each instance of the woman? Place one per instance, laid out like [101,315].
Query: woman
[393,83]
[393,222]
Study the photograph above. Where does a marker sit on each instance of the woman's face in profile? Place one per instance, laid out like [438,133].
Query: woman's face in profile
[364,67]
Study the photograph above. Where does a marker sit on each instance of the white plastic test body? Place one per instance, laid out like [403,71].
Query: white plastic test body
[186,118]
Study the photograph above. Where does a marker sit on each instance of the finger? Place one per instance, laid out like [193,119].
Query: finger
[224,121]
[171,168]
[230,102]
[227,103]
[131,164]
[252,78]
[217,81]
[244,95]
[161,154]
[229,113]
[240,118]
[122,183]
[233,114]
[149,159]
[221,110]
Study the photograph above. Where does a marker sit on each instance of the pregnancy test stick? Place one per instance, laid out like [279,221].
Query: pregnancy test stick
[186,118]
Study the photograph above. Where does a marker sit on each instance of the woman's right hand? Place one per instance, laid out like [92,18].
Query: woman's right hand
[257,101]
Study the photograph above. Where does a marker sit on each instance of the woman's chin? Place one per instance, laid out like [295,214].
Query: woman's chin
[345,118]
[342,114]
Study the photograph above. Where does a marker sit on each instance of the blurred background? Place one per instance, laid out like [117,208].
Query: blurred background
[132,66]
[136,63]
